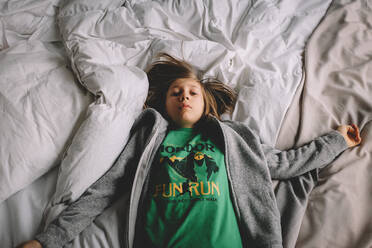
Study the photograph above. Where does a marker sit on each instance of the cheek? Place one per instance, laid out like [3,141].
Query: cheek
[168,105]
[202,105]
[171,107]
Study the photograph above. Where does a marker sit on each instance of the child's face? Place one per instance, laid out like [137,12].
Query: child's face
[185,102]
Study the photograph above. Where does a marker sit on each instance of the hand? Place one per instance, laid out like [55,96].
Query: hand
[30,244]
[351,134]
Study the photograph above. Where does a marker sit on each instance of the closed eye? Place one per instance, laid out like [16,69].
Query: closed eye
[176,93]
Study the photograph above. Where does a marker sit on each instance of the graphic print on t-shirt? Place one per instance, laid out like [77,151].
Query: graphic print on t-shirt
[188,170]
[185,167]
[189,203]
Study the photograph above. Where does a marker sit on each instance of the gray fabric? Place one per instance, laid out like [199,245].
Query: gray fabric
[249,164]
[338,90]
[292,197]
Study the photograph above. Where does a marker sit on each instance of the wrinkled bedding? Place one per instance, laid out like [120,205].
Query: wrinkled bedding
[41,106]
[72,73]
[337,89]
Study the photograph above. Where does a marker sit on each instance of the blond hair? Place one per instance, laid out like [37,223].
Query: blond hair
[218,97]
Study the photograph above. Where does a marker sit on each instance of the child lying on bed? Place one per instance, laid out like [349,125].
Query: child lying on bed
[194,180]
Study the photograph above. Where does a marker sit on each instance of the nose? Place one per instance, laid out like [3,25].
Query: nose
[184,96]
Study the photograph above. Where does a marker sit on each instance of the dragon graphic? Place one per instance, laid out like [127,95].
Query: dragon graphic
[186,166]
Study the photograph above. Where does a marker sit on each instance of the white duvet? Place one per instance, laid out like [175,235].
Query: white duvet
[254,46]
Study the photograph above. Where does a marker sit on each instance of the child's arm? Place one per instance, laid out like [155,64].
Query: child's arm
[82,212]
[77,216]
[30,244]
[316,154]
[351,134]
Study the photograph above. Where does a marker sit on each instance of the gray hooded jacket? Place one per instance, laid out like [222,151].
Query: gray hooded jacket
[250,165]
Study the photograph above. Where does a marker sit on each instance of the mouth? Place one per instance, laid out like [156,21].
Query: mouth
[184,106]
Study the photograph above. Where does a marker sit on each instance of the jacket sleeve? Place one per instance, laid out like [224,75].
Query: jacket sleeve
[316,154]
[76,217]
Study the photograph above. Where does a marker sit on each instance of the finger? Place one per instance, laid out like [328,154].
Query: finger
[357,138]
[356,130]
[351,131]
[355,127]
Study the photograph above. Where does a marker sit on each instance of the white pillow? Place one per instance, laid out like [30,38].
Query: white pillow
[40,106]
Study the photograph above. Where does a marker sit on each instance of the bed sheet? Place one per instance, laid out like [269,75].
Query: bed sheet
[41,106]
[28,20]
[255,46]
[337,90]
[110,43]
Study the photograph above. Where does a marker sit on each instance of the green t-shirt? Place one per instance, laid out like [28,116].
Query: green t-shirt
[190,204]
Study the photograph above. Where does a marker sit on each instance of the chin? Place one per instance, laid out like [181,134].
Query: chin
[186,122]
